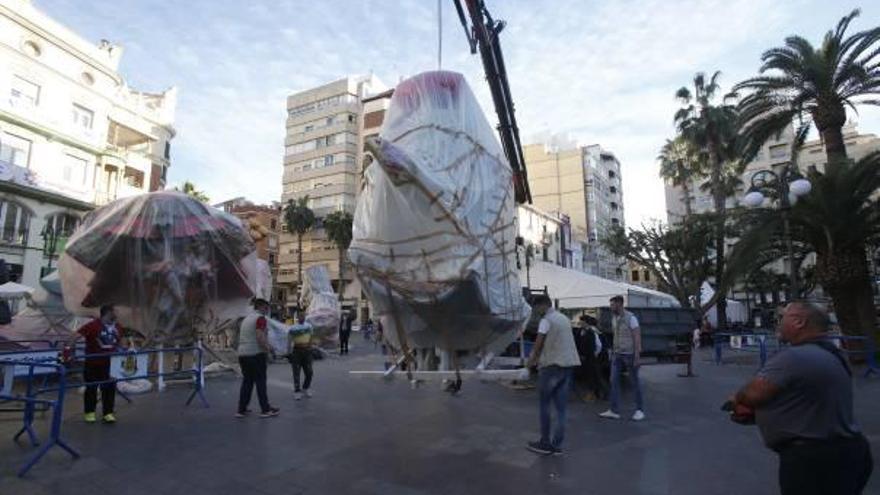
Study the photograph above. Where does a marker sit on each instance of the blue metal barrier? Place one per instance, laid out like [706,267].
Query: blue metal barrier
[722,339]
[30,401]
[869,350]
[31,398]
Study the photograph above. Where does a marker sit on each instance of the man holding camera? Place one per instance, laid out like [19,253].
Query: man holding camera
[802,402]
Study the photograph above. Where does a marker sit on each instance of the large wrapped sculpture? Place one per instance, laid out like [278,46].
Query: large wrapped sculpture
[434,234]
[169,263]
[322,304]
[44,318]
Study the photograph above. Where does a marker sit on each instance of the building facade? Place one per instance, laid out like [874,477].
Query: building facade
[776,153]
[585,184]
[72,135]
[546,235]
[323,161]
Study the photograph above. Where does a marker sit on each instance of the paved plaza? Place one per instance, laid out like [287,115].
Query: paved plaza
[366,436]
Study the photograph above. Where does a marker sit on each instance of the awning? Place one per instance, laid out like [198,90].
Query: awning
[574,289]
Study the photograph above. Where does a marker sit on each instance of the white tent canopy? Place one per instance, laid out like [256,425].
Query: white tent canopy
[574,289]
[12,289]
[736,311]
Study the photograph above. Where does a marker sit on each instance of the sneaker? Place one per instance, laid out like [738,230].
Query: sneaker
[638,415]
[609,414]
[297,396]
[557,451]
[308,393]
[90,417]
[109,418]
[540,448]
[271,413]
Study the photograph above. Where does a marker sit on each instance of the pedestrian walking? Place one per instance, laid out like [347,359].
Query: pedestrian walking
[802,402]
[102,336]
[625,351]
[555,354]
[300,354]
[345,331]
[253,350]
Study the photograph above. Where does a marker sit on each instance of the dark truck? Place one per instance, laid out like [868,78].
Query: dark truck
[665,331]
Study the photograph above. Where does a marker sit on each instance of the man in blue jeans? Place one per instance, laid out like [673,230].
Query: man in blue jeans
[624,354]
[555,354]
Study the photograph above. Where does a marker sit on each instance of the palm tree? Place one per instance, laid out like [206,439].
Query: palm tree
[299,219]
[338,226]
[836,220]
[807,84]
[711,127]
[680,163]
[190,190]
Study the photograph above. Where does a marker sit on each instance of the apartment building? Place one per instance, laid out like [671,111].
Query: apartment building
[323,161]
[585,184]
[73,135]
[548,235]
[776,153]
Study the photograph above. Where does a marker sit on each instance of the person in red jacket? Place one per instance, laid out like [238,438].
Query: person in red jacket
[102,336]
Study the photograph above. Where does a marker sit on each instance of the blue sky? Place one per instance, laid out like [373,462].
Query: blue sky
[603,71]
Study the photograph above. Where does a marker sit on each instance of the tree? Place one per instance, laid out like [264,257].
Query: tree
[712,128]
[836,220]
[800,83]
[680,163]
[680,256]
[338,226]
[190,190]
[299,219]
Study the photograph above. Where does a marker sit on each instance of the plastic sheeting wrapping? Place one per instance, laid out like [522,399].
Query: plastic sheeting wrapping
[322,304]
[434,232]
[169,263]
[44,317]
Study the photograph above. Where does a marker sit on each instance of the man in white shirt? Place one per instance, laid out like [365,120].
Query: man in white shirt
[555,354]
[624,353]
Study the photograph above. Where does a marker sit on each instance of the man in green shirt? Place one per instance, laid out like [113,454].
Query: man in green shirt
[301,355]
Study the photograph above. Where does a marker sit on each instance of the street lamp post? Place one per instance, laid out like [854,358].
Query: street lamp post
[788,186]
[50,242]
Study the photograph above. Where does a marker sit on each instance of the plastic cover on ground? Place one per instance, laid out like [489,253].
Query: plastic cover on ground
[434,233]
[322,304]
[169,263]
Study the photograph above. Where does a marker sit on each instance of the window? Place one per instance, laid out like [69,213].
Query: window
[15,221]
[82,116]
[352,118]
[328,121]
[271,259]
[133,177]
[167,152]
[273,224]
[615,221]
[14,150]
[24,93]
[63,223]
[612,190]
[613,206]
[308,128]
[74,170]
[779,151]
[611,174]
[647,276]
[635,275]
[328,160]
[545,255]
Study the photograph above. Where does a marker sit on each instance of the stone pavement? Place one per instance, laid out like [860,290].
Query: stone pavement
[364,436]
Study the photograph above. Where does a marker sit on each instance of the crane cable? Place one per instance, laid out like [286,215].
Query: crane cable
[439,34]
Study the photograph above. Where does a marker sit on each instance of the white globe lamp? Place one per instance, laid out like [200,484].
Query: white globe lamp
[753,199]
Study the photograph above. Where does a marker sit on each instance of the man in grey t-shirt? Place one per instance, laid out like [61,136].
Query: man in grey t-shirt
[803,405]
